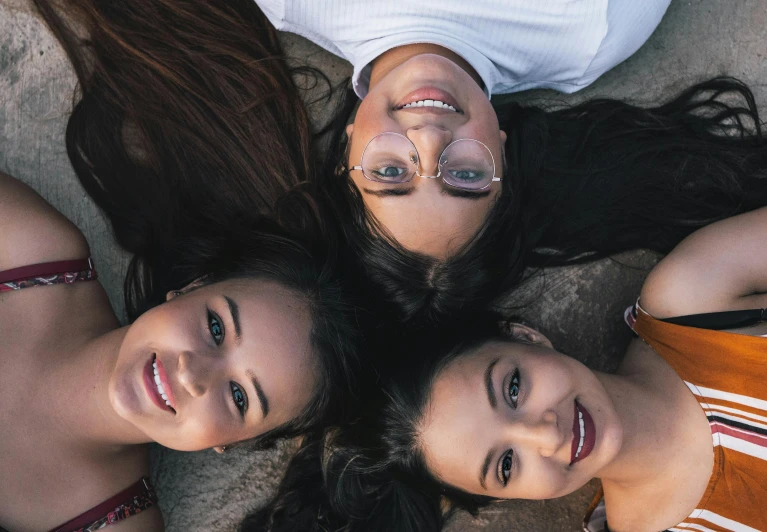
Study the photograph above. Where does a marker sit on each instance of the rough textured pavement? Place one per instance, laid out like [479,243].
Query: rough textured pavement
[579,308]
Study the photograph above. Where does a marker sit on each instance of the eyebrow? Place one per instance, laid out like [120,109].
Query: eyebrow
[389,192]
[262,400]
[234,309]
[467,194]
[446,191]
[490,386]
[485,467]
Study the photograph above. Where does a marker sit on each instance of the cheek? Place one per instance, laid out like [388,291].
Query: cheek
[203,427]
[543,480]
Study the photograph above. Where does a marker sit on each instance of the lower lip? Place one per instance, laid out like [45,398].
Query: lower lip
[151,387]
[589,436]
[428,93]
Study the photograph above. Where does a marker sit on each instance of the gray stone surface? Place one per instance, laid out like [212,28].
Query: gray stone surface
[579,308]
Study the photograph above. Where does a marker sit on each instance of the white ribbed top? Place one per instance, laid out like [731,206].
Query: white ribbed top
[512,44]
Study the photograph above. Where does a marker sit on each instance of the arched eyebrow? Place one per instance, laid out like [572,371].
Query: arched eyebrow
[234,310]
[262,400]
[485,467]
[490,386]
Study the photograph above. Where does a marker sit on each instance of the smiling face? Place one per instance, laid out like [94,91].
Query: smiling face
[233,360]
[427,215]
[505,422]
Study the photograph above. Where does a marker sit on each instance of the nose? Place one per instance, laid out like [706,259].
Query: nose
[541,433]
[193,374]
[429,140]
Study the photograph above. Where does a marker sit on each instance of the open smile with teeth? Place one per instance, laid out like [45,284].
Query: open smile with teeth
[158,383]
[584,434]
[430,103]
[582,429]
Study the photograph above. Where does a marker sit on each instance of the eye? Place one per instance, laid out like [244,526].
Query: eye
[216,327]
[389,173]
[504,467]
[239,398]
[467,175]
[514,388]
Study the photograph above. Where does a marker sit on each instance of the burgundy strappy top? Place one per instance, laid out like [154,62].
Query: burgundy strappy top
[136,498]
[65,271]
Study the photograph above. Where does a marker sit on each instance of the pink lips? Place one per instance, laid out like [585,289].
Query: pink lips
[151,386]
[428,93]
[589,434]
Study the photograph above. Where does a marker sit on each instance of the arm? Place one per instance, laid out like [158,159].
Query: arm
[718,268]
[31,231]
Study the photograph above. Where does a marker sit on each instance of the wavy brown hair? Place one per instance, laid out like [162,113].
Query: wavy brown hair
[187,119]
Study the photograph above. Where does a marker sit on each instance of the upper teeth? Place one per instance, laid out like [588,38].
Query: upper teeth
[583,433]
[159,383]
[430,103]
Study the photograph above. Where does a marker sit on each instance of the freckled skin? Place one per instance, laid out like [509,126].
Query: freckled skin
[275,347]
[427,221]
[460,426]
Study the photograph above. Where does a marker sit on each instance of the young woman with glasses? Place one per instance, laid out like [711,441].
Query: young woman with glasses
[440,234]
[425,71]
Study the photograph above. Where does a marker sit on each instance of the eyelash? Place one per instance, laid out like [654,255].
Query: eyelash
[214,322]
[508,458]
[236,389]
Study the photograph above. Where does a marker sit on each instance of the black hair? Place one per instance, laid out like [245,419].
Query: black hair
[186,120]
[582,183]
[369,475]
[191,136]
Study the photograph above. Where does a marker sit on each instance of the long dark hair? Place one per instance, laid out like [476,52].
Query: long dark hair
[192,138]
[582,183]
[187,121]
[370,475]
[263,249]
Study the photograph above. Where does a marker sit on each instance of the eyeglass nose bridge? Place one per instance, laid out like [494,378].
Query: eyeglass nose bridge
[439,175]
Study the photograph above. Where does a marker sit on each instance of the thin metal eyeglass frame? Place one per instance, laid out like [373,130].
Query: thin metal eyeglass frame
[417,167]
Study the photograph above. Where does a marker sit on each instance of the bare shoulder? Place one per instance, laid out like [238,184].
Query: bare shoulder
[32,231]
[717,268]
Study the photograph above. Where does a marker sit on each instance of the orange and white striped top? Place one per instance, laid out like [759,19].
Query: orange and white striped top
[727,374]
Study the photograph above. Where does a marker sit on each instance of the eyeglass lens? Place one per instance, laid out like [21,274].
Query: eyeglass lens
[392,158]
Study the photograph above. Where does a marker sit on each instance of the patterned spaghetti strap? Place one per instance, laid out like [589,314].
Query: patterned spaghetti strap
[131,501]
[48,273]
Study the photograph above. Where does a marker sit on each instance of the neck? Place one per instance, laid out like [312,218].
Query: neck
[391,59]
[648,417]
[83,411]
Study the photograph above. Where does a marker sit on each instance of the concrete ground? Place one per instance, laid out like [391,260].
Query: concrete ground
[579,308]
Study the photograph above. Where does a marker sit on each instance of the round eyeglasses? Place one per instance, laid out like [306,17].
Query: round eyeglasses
[392,158]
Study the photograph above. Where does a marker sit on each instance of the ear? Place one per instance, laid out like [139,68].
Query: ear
[349,130]
[503,147]
[197,283]
[525,334]
[220,449]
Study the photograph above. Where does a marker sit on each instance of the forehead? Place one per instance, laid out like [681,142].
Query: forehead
[457,412]
[275,337]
